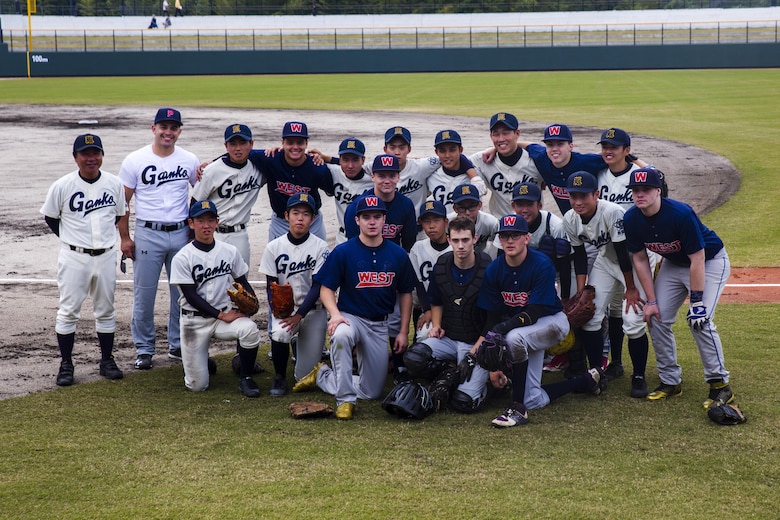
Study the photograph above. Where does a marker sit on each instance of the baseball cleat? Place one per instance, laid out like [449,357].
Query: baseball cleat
[720,393]
[515,415]
[248,387]
[558,363]
[638,387]
[109,370]
[613,371]
[279,386]
[65,375]
[143,362]
[175,354]
[309,381]
[596,381]
[663,391]
[344,411]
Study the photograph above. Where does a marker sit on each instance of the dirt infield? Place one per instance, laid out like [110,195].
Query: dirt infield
[41,137]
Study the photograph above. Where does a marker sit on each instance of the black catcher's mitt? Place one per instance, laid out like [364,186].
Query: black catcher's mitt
[726,414]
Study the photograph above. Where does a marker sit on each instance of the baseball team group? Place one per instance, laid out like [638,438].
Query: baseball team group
[453,300]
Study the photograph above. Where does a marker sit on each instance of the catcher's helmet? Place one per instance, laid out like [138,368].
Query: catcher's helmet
[419,361]
[408,400]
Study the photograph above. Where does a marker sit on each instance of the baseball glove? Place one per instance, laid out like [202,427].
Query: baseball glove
[580,307]
[563,346]
[310,410]
[282,300]
[726,414]
[245,302]
[493,354]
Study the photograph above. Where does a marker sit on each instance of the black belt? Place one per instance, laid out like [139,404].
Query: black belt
[90,252]
[165,227]
[378,318]
[186,312]
[231,229]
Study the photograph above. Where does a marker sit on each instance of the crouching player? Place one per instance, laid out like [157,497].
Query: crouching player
[204,270]
[524,314]
[457,323]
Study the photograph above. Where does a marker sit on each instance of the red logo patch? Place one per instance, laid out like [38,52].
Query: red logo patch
[374,279]
[515,299]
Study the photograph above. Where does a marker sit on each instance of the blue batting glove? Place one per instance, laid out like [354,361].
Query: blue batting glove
[697,315]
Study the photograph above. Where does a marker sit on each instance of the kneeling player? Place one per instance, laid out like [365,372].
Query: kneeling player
[204,270]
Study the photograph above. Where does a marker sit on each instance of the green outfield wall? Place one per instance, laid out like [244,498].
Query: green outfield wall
[46,64]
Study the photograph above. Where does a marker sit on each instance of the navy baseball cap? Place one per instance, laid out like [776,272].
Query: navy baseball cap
[302,199]
[581,182]
[238,130]
[526,191]
[398,131]
[503,118]
[514,223]
[433,207]
[386,163]
[645,177]
[295,129]
[557,132]
[447,136]
[85,141]
[615,136]
[203,206]
[370,203]
[465,192]
[168,114]
[352,145]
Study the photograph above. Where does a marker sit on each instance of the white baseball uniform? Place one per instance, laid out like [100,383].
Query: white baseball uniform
[234,190]
[423,256]
[500,178]
[441,185]
[296,264]
[344,192]
[87,261]
[212,272]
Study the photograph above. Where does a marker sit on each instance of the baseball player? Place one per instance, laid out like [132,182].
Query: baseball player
[289,172]
[293,259]
[159,175]
[457,320]
[455,168]
[204,270]
[82,209]
[696,265]
[423,255]
[233,184]
[600,223]
[350,178]
[466,202]
[510,166]
[370,273]
[518,294]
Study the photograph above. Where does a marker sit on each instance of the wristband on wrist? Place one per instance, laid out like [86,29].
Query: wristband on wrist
[651,303]
[696,296]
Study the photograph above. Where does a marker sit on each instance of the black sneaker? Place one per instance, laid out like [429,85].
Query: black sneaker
[613,371]
[175,354]
[65,375]
[143,362]
[279,386]
[109,370]
[212,367]
[248,387]
[638,387]
[597,383]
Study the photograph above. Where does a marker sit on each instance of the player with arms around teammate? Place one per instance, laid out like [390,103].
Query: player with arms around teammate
[159,175]
[525,316]
[83,208]
[233,184]
[370,273]
[457,324]
[204,270]
[696,266]
[293,259]
[600,223]
[455,168]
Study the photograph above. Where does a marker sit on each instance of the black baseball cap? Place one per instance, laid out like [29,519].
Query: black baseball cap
[581,182]
[85,141]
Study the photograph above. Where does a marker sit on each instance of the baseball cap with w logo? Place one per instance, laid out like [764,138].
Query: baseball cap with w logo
[645,177]
[370,203]
[385,163]
[513,223]
[295,129]
[557,132]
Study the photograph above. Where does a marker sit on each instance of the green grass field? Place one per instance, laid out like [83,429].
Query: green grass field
[144,447]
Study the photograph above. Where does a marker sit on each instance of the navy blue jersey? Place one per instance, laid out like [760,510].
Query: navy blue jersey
[674,233]
[284,181]
[368,277]
[509,290]
[400,224]
[556,178]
